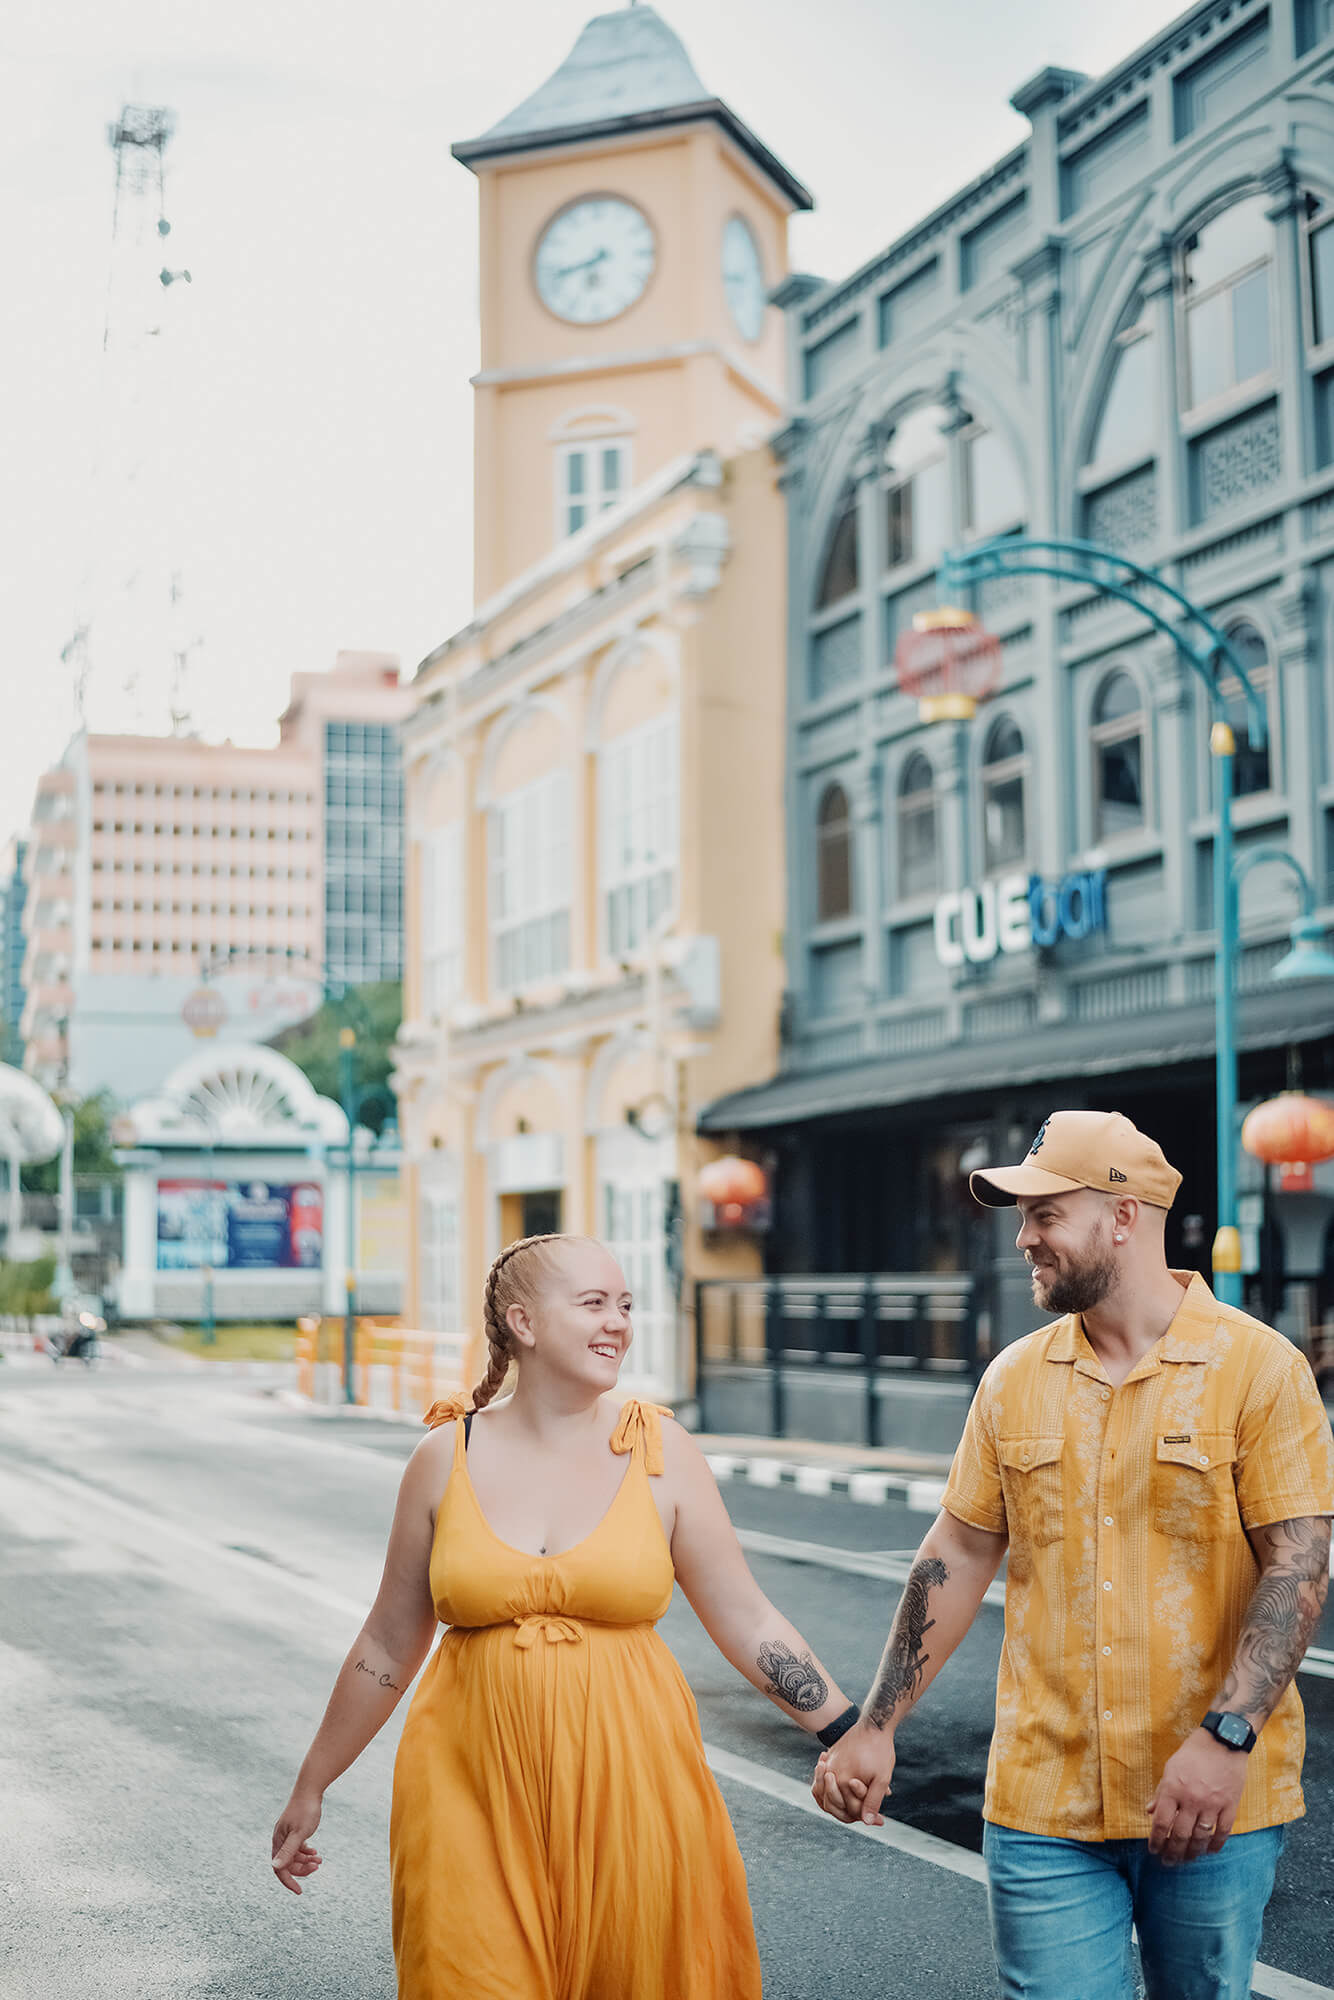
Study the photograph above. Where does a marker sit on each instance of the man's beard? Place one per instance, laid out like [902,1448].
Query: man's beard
[1079,1287]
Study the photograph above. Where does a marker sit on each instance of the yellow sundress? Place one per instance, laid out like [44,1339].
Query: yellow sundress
[556,1833]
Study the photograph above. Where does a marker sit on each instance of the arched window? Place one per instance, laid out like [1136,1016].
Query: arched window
[1128,421]
[1252,768]
[918,495]
[1004,766]
[840,575]
[1318,227]
[1226,288]
[592,466]
[919,831]
[1118,757]
[833,856]
[993,495]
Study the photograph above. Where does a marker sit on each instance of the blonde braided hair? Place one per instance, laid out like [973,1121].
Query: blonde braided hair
[510,1281]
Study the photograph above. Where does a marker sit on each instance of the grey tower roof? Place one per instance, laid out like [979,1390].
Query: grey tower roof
[628,71]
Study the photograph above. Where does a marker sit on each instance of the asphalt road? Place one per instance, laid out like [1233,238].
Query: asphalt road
[183,1565]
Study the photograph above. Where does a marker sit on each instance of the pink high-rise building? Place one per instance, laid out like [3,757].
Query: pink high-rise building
[160,866]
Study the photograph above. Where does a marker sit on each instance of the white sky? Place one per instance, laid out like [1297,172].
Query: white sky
[320,412]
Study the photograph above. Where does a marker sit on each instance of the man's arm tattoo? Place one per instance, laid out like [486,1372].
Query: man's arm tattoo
[904,1661]
[795,1679]
[1280,1618]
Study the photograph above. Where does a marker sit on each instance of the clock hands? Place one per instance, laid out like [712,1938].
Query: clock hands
[598,257]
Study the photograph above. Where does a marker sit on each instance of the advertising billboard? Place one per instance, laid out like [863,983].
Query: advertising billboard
[239,1225]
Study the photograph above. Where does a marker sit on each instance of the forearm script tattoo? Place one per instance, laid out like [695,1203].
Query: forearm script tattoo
[1280,1618]
[795,1679]
[904,1661]
[381,1680]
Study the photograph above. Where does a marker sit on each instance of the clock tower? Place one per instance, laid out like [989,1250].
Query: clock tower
[632,228]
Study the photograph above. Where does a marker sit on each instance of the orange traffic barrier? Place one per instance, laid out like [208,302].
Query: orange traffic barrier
[393,1367]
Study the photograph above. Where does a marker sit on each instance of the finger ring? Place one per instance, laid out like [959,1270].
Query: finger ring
[1206,1826]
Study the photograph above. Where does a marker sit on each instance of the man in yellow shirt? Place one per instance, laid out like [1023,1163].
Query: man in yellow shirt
[1161,1469]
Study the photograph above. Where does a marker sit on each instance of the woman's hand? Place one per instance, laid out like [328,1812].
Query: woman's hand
[293,1854]
[853,1779]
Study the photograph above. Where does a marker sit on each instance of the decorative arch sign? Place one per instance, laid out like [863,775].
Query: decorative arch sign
[1019,913]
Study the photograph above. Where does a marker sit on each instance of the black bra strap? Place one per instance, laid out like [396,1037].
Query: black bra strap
[467,1429]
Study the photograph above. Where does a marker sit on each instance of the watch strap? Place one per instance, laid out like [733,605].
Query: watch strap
[1215,1717]
[840,1726]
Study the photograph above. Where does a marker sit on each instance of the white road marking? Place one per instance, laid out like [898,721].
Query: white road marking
[791,1792]
[766,1471]
[1268,1981]
[871,1488]
[88,1512]
[816,1479]
[925,1495]
[852,1562]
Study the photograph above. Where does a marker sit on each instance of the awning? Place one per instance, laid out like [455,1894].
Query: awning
[1068,1050]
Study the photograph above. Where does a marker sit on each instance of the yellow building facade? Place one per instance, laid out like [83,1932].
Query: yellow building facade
[594,765]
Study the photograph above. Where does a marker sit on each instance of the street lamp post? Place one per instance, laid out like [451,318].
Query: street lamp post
[1205,649]
[347,1087]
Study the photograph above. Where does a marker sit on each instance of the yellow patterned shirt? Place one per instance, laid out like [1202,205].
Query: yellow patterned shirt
[1129,1569]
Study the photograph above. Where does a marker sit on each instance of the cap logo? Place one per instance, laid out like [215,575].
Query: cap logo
[1042,1133]
[1113,1175]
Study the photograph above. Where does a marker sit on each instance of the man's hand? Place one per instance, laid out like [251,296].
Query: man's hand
[1196,1802]
[851,1779]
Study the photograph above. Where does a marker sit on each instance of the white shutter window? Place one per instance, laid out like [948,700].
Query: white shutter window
[638,796]
[530,883]
[442,918]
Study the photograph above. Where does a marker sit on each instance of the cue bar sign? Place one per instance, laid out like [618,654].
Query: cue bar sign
[1018,913]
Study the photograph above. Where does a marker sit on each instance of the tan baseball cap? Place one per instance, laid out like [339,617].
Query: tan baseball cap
[1078,1149]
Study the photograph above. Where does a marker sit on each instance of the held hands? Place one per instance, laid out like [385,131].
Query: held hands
[293,1855]
[1195,1805]
[853,1778]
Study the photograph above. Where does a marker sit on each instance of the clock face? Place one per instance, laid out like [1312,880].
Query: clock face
[594,260]
[743,278]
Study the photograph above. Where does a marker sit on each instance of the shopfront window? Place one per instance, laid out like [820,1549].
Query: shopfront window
[833,844]
[1118,757]
[1004,768]
[919,829]
[1225,280]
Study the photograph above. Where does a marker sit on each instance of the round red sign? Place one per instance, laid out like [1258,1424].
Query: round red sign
[204,1011]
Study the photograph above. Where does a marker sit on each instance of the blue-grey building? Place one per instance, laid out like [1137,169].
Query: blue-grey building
[1123,331]
[13,895]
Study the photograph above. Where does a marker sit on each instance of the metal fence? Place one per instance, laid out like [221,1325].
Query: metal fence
[866,1329]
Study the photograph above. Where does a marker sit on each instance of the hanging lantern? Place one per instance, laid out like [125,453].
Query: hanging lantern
[1290,1129]
[737,1190]
[950,662]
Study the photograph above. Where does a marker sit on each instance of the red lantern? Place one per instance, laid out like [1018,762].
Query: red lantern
[950,662]
[735,1187]
[1289,1129]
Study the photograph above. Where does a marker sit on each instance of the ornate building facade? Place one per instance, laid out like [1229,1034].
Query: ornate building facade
[1123,332]
[593,771]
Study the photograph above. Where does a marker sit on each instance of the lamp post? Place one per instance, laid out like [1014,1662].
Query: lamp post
[1206,650]
[347,1090]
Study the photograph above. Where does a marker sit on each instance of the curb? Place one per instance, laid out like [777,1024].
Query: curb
[825,1481]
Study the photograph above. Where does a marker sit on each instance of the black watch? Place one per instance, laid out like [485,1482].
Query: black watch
[1234,1730]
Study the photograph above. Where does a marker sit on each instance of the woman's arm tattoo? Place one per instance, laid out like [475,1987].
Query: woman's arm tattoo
[795,1679]
[901,1669]
[381,1680]
[1280,1618]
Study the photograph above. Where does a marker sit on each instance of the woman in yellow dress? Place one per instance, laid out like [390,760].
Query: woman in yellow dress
[556,1833]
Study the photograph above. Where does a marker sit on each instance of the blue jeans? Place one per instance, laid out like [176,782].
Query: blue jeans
[1061,1915]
